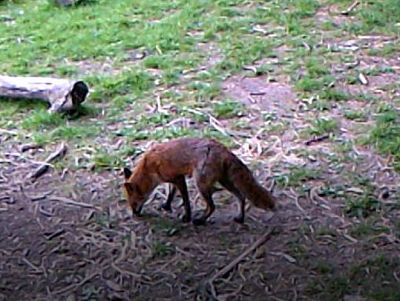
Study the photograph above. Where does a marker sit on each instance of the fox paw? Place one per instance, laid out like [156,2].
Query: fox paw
[167,207]
[239,219]
[186,218]
[199,221]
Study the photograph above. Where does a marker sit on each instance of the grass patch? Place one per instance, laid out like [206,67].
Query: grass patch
[42,120]
[75,132]
[385,135]
[167,227]
[228,108]
[355,115]
[129,82]
[362,206]
[323,126]
[161,249]
[367,228]
[297,176]
[385,51]
[371,278]
[334,95]
[104,160]
[310,84]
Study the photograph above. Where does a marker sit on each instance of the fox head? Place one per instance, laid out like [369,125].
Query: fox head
[134,195]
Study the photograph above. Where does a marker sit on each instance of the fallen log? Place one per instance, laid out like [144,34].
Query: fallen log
[63,95]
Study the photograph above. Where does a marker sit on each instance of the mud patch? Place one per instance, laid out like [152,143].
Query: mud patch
[214,55]
[275,97]
[91,67]
[332,13]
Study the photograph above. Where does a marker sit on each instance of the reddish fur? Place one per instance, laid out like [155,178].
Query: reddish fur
[207,160]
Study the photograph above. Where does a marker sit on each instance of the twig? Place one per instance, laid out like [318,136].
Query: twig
[56,233]
[34,198]
[73,287]
[125,272]
[33,267]
[316,139]
[251,98]
[250,68]
[218,126]
[238,259]
[350,8]
[8,132]
[257,93]
[296,201]
[26,147]
[71,202]
[159,107]
[60,152]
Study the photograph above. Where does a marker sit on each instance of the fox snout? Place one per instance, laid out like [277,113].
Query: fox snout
[137,211]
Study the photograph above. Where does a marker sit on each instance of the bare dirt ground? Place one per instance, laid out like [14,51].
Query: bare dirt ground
[91,249]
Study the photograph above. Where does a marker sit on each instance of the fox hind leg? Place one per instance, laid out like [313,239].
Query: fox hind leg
[205,185]
[231,188]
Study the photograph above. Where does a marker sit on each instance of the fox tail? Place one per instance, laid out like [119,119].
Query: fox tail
[244,181]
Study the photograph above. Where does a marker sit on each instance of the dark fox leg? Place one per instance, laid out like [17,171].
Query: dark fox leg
[180,183]
[209,210]
[231,188]
[205,185]
[171,194]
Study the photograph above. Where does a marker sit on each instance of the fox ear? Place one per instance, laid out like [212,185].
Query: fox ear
[127,173]
[129,187]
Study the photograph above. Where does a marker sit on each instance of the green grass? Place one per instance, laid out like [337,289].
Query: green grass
[386,51]
[297,177]
[385,136]
[371,278]
[104,160]
[227,108]
[129,82]
[355,115]
[367,228]
[323,126]
[362,206]
[41,120]
[160,249]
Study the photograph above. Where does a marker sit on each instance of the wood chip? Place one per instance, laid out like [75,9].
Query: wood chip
[363,79]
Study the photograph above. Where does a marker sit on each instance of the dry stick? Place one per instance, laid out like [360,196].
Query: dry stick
[8,132]
[34,198]
[71,202]
[350,8]
[74,287]
[26,147]
[31,265]
[316,139]
[238,259]
[60,152]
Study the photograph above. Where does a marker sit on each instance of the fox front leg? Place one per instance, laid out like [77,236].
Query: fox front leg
[171,194]
[180,183]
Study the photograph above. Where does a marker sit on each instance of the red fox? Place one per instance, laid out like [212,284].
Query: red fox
[208,161]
